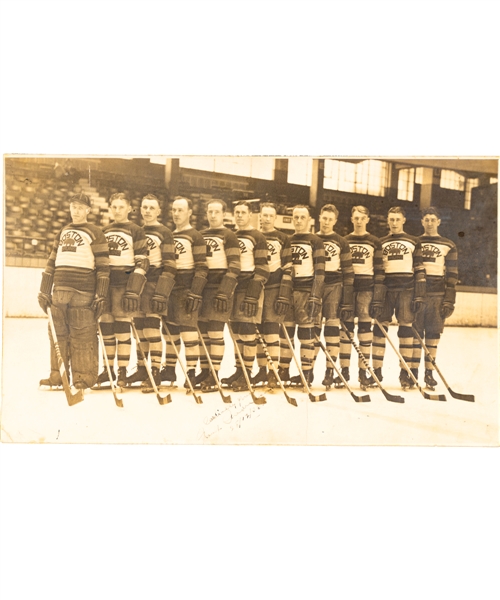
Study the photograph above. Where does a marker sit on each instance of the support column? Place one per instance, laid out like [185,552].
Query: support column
[281,170]
[172,176]
[426,187]
[316,191]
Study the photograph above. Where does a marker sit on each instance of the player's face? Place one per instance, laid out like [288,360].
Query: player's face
[300,219]
[120,210]
[78,212]
[267,218]
[242,217]
[327,221]
[215,215]
[360,221]
[396,222]
[150,211]
[181,213]
[430,223]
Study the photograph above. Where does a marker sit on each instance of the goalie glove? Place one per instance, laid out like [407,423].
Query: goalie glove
[250,304]
[224,294]
[163,288]
[347,307]
[448,305]
[45,294]
[130,300]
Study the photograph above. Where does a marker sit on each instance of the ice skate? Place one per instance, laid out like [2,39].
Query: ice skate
[209,384]
[430,382]
[365,380]
[405,380]
[200,378]
[192,378]
[272,381]
[260,377]
[284,375]
[240,384]
[337,382]
[146,385]
[138,376]
[121,380]
[54,381]
[104,378]
[168,374]
[296,380]
[328,379]
[228,381]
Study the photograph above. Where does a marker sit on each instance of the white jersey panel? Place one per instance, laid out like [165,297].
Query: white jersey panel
[121,249]
[434,256]
[273,255]
[247,258]
[398,256]
[74,250]
[302,258]
[362,258]
[216,255]
[332,256]
[154,247]
[184,258]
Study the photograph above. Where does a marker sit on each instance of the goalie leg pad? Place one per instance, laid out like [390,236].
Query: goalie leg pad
[83,345]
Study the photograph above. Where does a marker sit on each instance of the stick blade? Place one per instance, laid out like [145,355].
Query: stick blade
[320,398]
[457,396]
[291,400]
[75,398]
[164,399]
[258,399]
[393,398]
[118,402]
[365,398]
[197,399]
[437,397]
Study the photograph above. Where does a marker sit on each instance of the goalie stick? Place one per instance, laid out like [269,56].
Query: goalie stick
[440,397]
[197,398]
[390,397]
[70,397]
[289,399]
[466,397]
[161,399]
[312,397]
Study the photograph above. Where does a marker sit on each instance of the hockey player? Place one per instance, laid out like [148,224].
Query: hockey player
[249,293]
[75,284]
[185,299]
[223,260]
[277,292]
[338,292]
[308,274]
[369,291]
[128,259]
[440,261]
[405,282]
[154,298]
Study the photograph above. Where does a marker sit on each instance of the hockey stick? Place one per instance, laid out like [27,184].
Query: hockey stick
[197,399]
[390,397]
[402,361]
[256,399]
[365,398]
[312,397]
[118,401]
[70,397]
[466,397]
[289,399]
[226,399]
[161,399]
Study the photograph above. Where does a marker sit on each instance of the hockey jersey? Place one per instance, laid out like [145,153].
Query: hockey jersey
[79,257]
[279,256]
[338,263]
[160,251]
[402,260]
[366,256]
[128,251]
[190,256]
[440,260]
[308,260]
[222,254]
[253,256]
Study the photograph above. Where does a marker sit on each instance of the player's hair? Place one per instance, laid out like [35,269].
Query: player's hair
[430,210]
[188,201]
[217,201]
[81,197]
[360,208]
[268,205]
[396,209]
[119,196]
[151,197]
[302,206]
[243,203]
[329,208]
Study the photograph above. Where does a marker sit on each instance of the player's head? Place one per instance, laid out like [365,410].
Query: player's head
[242,214]
[300,218]
[79,207]
[431,220]
[216,209]
[120,207]
[150,209]
[327,218]
[360,217]
[182,209]
[396,219]
[268,215]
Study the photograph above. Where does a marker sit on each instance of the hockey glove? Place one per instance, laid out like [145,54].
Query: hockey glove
[418,295]
[448,305]
[313,307]
[250,304]
[194,297]
[377,303]
[224,294]
[163,288]
[347,307]
[45,295]
[130,300]
[284,298]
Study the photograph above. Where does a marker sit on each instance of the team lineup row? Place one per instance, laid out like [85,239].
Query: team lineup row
[264,285]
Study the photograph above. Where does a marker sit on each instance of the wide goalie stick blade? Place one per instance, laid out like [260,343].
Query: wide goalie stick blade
[70,397]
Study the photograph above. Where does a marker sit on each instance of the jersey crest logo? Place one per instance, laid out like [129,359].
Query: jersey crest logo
[151,243]
[271,251]
[298,255]
[117,244]
[243,248]
[359,254]
[70,241]
[395,251]
[430,252]
[179,249]
[331,250]
[212,246]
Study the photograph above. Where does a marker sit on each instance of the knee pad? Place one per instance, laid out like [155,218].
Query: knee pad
[140,322]
[377,332]
[247,329]
[405,332]
[363,327]
[269,328]
[331,331]
[151,323]
[305,334]
[83,345]
[235,327]
[121,327]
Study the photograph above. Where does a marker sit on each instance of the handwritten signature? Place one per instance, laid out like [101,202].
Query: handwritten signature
[231,417]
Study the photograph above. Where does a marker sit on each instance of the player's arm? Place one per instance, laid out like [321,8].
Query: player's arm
[419,289]
[450,279]
[194,296]
[100,250]
[230,278]
[45,294]
[379,288]
[250,304]
[347,304]
[319,259]
[286,287]
[136,279]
